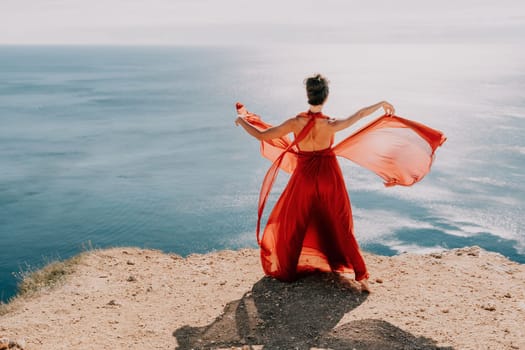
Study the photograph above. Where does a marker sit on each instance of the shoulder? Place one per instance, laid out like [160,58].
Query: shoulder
[332,120]
[300,119]
[289,125]
[302,115]
[296,120]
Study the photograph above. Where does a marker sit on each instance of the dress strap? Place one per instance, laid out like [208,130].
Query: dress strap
[314,115]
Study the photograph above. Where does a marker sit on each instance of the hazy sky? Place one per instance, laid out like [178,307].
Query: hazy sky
[196,22]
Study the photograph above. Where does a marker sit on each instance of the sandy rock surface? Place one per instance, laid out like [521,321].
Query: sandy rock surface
[129,298]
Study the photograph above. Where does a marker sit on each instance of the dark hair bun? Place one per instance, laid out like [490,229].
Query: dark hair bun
[316,89]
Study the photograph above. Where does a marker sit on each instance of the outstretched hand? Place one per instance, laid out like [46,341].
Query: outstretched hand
[389,109]
[241,112]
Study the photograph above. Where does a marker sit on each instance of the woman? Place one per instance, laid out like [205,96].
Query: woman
[311,227]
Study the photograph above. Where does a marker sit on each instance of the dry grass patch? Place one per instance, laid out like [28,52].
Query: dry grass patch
[31,281]
[5,308]
[46,277]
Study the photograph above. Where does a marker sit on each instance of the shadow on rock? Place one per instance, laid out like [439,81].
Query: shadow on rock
[299,315]
[375,335]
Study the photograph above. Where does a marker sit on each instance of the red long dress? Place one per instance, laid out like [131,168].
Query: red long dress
[310,227]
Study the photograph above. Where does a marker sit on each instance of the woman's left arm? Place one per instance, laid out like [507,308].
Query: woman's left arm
[271,133]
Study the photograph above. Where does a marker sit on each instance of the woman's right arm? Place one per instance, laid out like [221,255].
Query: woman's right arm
[341,124]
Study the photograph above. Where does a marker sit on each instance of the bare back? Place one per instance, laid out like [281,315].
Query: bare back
[320,137]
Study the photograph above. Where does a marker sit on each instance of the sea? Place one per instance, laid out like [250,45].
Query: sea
[109,146]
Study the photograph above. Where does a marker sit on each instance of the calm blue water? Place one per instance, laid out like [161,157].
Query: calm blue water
[136,146]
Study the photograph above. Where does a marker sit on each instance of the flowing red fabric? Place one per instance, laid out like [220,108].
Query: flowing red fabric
[310,227]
